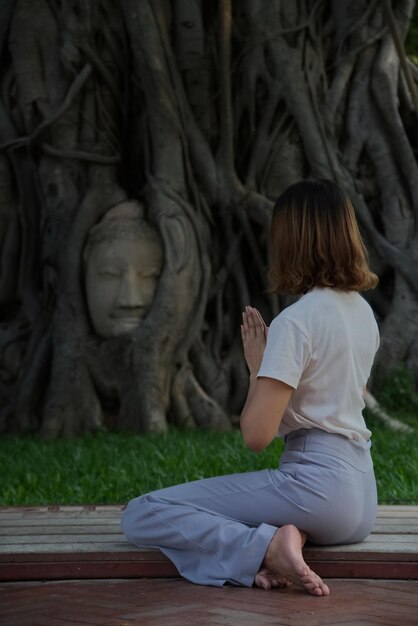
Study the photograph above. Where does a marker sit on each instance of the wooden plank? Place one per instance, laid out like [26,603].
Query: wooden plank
[75,509]
[401,519]
[145,554]
[81,513]
[366,569]
[116,542]
[117,551]
[64,508]
[391,519]
[56,514]
[376,539]
[42,526]
[318,553]
[88,509]
[65,570]
[92,513]
[387,519]
[404,526]
[57,548]
[84,518]
[398,507]
[413,513]
[386,537]
[71,538]
[386,541]
[58,521]
[136,555]
[395,528]
[60,529]
[83,526]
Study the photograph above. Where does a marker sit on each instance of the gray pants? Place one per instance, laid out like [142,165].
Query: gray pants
[217,530]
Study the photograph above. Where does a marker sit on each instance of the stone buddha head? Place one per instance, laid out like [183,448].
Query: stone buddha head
[123,261]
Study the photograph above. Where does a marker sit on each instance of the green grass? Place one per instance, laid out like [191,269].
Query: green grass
[114,467]
[395,457]
[397,393]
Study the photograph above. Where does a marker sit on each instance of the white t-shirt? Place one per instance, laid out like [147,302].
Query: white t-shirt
[323,346]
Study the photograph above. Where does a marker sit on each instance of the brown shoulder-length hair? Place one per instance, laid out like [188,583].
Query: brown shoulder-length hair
[315,241]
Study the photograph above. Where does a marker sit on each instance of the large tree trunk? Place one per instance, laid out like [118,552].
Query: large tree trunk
[205,112]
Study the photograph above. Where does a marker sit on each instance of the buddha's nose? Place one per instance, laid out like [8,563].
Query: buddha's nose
[130,294]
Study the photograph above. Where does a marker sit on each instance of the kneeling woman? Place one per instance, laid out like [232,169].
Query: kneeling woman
[308,373]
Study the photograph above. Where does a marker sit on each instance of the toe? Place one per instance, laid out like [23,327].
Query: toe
[325,589]
[261,580]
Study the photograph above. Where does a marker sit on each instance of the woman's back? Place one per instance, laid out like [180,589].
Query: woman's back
[323,346]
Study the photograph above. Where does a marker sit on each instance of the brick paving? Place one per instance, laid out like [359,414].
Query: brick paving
[175,602]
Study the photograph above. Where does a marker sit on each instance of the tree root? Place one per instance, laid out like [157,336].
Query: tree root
[389,421]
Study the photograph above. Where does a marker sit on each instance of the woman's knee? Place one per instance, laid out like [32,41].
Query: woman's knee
[133,516]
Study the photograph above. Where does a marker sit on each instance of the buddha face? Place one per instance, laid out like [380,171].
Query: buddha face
[121,278]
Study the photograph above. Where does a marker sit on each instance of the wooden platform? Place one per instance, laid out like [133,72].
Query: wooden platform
[81,542]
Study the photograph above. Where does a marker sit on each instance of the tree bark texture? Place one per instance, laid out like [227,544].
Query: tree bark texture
[204,111]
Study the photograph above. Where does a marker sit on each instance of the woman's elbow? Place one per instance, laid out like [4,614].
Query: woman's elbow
[255,442]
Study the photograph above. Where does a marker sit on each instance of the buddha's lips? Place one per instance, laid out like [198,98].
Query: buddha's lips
[120,317]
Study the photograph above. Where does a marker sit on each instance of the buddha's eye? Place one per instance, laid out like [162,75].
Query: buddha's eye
[109,272]
[151,273]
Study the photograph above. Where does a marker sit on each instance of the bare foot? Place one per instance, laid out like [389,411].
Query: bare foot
[267,580]
[284,561]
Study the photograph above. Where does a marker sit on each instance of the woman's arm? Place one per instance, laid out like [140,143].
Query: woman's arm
[267,398]
[266,402]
